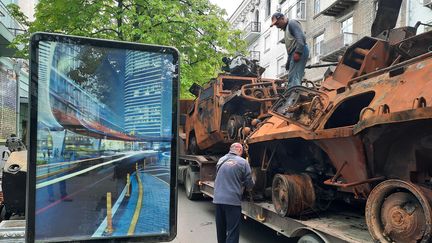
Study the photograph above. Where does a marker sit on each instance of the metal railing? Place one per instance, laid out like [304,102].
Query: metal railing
[254,55]
[253,27]
[9,22]
[339,42]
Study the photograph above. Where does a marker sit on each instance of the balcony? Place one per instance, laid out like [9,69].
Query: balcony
[427,3]
[9,28]
[338,7]
[336,47]
[254,56]
[252,31]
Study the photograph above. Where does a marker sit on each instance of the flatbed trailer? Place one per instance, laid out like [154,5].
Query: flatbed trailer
[197,173]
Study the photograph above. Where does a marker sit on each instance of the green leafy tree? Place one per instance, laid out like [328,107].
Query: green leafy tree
[195,27]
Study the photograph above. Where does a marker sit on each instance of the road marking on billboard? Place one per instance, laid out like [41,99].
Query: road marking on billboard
[100,230]
[146,170]
[161,174]
[134,220]
[65,177]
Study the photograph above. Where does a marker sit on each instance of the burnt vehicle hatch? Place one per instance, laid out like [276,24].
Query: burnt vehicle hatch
[206,108]
[302,106]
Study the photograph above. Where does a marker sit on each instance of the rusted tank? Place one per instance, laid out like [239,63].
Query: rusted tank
[365,135]
[226,109]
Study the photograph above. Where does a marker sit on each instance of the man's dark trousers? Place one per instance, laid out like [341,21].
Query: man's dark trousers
[228,223]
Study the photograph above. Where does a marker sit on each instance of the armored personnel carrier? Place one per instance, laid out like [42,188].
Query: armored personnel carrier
[364,137]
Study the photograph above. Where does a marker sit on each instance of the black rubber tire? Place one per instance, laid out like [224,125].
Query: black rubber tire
[191,188]
[310,238]
[193,146]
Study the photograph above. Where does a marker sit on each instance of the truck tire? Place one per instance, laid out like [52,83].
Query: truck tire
[191,188]
[310,238]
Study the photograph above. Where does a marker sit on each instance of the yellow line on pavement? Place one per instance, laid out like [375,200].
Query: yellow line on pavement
[138,206]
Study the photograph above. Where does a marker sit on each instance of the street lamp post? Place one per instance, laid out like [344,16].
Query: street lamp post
[17,68]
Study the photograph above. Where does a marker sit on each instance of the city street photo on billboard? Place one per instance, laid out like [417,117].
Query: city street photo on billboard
[102,140]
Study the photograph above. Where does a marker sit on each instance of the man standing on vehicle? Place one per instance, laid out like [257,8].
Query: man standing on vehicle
[232,174]
[295,44]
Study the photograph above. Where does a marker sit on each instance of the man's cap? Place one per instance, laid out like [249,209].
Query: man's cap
[275,18]
[236,148]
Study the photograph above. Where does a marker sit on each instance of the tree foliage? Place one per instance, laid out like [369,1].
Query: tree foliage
[195,27]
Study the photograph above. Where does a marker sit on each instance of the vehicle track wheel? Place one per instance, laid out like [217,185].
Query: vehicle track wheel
[292,194]
[280,194]
[399,211]
[235,122]
[193,146]
[191,188]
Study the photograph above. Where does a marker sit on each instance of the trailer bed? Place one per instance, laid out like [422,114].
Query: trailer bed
[340,226]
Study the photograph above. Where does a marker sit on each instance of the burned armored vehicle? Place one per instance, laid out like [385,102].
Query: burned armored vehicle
[365,135]
[226,107]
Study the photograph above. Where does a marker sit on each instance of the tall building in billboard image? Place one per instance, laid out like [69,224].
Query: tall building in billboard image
[146,91]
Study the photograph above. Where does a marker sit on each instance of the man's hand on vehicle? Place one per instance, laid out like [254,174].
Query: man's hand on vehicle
[296,56]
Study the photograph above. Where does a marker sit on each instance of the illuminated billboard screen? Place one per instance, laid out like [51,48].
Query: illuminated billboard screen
[102,149]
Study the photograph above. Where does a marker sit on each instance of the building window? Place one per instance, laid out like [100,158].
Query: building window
[267,43]
[268,8]
[281,66]
[301,9]
[267,70]
[317,7]
[317,47]
[347,30]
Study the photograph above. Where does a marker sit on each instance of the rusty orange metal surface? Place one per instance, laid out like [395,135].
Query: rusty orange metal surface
[286,191]
[224,109]
[369,122]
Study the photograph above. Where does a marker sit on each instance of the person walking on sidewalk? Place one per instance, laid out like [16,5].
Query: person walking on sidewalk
[295,44]
[232,174]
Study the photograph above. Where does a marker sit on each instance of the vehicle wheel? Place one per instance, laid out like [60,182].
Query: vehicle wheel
[292,194]
[235,122]
[310,238]
[399,211]
[191,188]
[193,146]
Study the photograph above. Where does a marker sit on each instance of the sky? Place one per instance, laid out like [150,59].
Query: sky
[229,5]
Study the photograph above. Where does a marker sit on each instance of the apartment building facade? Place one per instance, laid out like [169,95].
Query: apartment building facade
[329,25]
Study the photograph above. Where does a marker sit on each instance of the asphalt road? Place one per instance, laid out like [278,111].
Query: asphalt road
[196,224]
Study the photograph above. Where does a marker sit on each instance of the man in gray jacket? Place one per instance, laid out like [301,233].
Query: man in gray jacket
[232,174]
[295,44]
